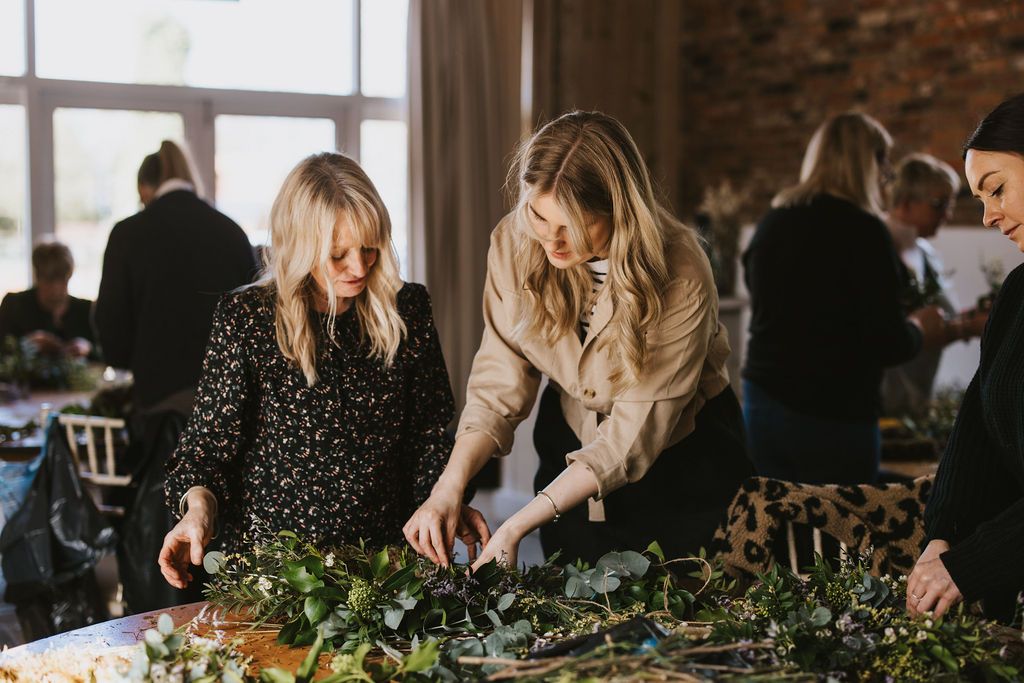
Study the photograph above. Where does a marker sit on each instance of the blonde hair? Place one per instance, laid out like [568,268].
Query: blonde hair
[919,176]
[592,168]
[171,161]
[843,159]
[303,224]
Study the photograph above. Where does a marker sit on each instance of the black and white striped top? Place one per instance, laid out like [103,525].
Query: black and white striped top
[599,273]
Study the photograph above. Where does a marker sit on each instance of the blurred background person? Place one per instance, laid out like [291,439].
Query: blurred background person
[923,192]
[826,318]
[46,315]
[163,271]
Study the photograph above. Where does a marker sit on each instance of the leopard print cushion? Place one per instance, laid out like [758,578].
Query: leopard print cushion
[883,520]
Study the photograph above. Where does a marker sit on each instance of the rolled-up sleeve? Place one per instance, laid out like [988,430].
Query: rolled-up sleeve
[503,383]
[644,418]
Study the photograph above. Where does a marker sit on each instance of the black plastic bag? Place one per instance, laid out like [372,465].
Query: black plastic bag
[148,521]
[50,545]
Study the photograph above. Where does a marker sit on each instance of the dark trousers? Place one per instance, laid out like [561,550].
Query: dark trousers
[679,502]
[786,444]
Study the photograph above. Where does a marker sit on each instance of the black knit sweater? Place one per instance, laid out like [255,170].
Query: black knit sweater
[977,504]
[825,286]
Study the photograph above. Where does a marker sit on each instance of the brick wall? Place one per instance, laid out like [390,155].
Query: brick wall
[743,84]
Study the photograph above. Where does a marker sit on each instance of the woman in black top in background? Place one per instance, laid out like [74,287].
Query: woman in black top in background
[825,290]
[163,271]
[975,515]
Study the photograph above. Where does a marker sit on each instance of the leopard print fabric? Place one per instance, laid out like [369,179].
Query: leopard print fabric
[886,520]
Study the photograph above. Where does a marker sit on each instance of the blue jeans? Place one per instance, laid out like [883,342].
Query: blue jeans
[785,444]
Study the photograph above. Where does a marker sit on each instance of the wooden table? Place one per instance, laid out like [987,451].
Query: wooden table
[20,412]
[261,645]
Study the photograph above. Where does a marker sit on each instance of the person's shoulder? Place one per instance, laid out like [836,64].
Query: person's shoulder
[17,299]
[248,303]
[413,302]
[1014,283]
[687,259]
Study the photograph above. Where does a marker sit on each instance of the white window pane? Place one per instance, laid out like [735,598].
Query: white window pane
[385,158]
[298,46]
[12,37]
[14,252]
[97,153]
[253,156]
[383,47]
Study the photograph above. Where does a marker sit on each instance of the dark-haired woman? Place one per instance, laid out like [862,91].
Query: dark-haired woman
[975,516]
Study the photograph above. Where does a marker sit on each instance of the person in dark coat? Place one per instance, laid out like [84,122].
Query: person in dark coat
[975,515]
[51,319]
[163,272]
[825,289]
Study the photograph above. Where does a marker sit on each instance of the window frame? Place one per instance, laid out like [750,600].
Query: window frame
[199,108]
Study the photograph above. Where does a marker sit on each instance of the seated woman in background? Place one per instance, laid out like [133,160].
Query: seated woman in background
[922,196]
[46,315]
[324,396]
[591,282]
[975,515]
[826,318]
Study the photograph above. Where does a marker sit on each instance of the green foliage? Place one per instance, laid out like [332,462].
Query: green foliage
[841,623]
[166,654]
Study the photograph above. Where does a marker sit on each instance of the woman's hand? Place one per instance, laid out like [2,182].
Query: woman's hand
[184,544]
[932,325]
[503,546]
[472,529]
[930,587]
[431,529]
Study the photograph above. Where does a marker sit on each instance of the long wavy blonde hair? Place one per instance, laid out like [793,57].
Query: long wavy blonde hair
[304,222]
[589,164]
[844,158]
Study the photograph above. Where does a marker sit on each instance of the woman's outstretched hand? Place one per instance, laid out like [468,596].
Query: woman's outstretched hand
[442,518]
[184,544]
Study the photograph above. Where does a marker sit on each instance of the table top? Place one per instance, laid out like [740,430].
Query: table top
[261,645]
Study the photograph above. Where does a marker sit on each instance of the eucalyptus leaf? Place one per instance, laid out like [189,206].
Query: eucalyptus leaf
[214,561]
[165,625]
[605,583]
[393,617]
[820,617]
[627,563]
[576,588]
[505,601]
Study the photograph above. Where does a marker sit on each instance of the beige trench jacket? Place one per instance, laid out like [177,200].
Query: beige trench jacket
[621,434]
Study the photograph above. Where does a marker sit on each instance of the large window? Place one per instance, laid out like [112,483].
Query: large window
[14,261]
[251,87]
[249,176]
[298,46]
[96,160]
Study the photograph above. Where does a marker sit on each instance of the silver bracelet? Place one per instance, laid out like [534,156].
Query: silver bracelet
[216,507]
[558,513]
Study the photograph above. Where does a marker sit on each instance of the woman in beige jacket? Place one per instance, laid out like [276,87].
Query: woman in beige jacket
[592,283]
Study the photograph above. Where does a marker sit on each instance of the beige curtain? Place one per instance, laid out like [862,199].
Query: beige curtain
[464,86]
